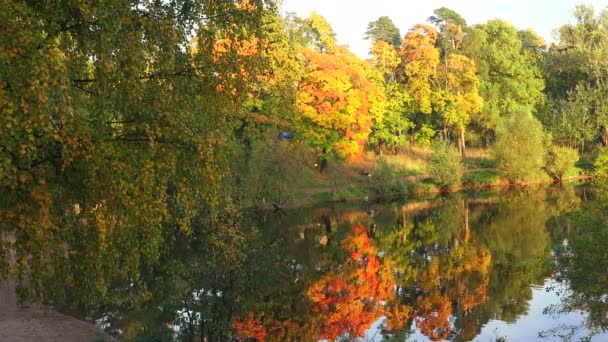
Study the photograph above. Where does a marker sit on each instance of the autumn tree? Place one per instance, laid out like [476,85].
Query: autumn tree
[391,130]
[449,88]
[459,95]
[338,102]
[420,60]
[116,133]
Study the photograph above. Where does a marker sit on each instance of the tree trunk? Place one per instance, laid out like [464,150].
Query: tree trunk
[323,161]
[467,232]
[404,224]
[461,143]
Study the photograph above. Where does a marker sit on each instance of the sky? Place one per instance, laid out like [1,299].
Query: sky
[349,18]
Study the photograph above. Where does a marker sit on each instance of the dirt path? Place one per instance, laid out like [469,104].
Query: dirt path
[36,323]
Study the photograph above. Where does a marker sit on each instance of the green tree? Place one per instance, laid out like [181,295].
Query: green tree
[451,26]
[599,159]
[560,160]
[115,130]
[313,32]
[519,147]
[385,30]
[575,70]
[507,78]
[446,165]
[391,131]
[570,121]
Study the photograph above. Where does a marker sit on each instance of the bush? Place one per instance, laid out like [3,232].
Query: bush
[383,178]
[519,147]
[446,165]
[560,160]
[599,160]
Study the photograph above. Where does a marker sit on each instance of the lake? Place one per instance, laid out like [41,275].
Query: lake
[520,265]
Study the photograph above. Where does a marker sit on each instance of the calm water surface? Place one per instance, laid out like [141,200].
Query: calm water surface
[516,266]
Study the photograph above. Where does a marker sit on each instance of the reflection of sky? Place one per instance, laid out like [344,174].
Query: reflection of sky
[526,328]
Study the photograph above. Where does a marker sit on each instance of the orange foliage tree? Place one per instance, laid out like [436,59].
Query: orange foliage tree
[338,101]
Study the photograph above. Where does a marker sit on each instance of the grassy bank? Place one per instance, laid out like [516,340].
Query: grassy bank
[406,175]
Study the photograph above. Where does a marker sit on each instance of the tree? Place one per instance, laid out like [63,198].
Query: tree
[449,89]
[270,106]
[116,129]
[571,121]
[313,32]
[599,160]
[451,26]
[575,70]
[560,160]
[420,61]
[338,102]
[384,30]
[460,98]
[507,78]
[391,131]
[446,165]
[458,85]
[519,147]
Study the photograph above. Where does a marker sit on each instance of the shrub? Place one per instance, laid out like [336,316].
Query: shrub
[446,165]
[560,160]
[519,147]
[599,159]
[383,178]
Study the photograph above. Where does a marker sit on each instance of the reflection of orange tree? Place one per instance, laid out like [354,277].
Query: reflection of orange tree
[250,328]
[349,301]
[464,273]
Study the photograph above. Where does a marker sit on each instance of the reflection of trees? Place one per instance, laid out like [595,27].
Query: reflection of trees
[447,267]
[439,271]
[349,300]
[581,266]
[514,231]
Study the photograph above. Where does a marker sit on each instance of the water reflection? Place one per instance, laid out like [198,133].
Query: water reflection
[453,268]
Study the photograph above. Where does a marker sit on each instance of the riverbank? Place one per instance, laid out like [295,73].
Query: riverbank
[38,323]
[410,180]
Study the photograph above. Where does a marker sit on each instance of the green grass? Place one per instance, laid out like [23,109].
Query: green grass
[341,195]
[574,172]
[408,165]
[480,163]
[481,178]
[584,164]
